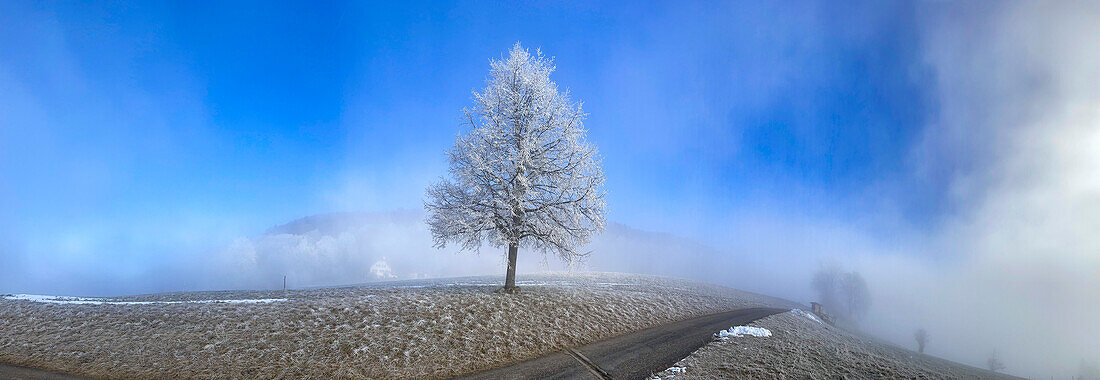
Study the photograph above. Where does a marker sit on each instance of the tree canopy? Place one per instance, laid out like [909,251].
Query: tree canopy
[523,175]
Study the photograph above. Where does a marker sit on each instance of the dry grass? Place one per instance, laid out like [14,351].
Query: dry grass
[414,329]
[800,348]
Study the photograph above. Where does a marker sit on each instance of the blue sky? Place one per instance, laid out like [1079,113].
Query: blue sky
[251,114]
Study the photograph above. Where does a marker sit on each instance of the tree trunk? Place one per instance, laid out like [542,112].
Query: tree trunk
[510,280]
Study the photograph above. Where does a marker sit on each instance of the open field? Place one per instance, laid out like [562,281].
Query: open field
[408,329]
[797,345]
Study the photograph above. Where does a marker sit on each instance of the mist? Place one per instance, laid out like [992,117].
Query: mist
[975,219]
[1017,90]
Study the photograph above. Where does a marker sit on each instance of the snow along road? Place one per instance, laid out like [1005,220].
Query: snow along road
[630,356]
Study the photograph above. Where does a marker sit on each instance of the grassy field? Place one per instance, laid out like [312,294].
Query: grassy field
[408,329]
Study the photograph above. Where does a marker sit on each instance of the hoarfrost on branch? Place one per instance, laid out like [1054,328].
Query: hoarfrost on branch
[523,176]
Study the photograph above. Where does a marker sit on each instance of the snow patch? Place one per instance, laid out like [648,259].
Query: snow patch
[671,371]
[546,283]
[805,314]
[259,300]
[739,331]
[64,300]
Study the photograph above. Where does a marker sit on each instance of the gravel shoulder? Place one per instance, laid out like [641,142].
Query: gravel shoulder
[407,329]
[803,348]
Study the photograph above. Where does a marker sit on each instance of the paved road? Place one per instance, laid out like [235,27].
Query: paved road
[631,356]
[12,372]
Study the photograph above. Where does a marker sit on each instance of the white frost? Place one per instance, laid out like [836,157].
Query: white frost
[63,300]
[738,331]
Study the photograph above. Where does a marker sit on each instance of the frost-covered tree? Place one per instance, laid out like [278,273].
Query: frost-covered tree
[994,363]
[843,292]
[825,283]
[922,337]
[855,295]
[523,175]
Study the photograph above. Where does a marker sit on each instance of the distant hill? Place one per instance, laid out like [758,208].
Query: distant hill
[342,248]
[334,223]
